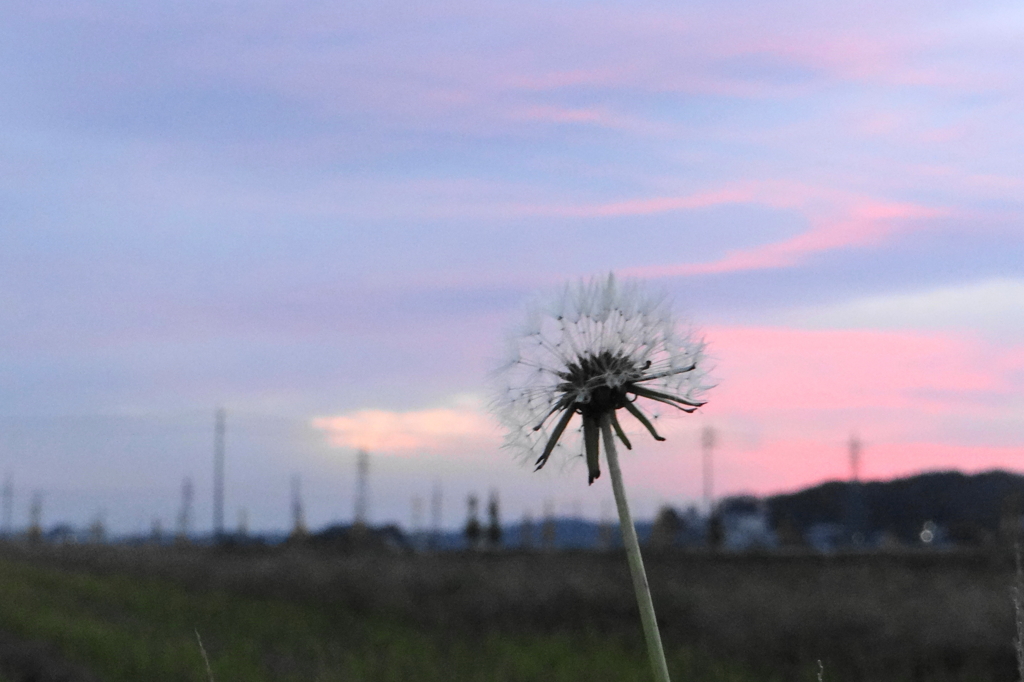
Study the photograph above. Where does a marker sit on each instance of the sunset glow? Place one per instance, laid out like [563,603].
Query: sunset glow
[327,222]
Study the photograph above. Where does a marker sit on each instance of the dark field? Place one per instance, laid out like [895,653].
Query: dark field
[117,613]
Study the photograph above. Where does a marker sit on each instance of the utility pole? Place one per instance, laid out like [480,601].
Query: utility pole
[855,448]
[298,514]
[856,513]
[472,530]
[493,522]
[185,513]
[436,499]
[35,517]
[416,522]
[707,440]
[8,506]
[243,524]
[362,473]
[218,475]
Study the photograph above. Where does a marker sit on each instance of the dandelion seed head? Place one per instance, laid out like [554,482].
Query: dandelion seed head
[598,346]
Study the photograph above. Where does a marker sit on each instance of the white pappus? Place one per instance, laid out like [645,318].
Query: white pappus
[600,346]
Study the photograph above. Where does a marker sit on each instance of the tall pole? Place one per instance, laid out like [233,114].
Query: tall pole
[218,475]
[363,472]
[298,514]
[35,517]
[8,506]
[707,440]
[185,514]
[436,501]
[855,513]
[855,447]
[416,522]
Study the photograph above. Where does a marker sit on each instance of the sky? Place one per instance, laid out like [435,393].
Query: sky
[326,218]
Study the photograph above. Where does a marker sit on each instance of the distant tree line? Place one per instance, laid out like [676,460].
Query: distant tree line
[971,509]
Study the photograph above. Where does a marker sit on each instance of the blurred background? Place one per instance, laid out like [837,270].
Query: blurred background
[324,220]
[259,259]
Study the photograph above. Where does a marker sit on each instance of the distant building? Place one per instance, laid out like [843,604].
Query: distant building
[695,528]
[667,527]
[353,538]
[62,532]
[826,537]
[745,524]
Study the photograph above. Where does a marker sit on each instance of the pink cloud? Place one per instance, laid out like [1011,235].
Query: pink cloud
[777,370]
[881,45]
[386,431]
[838,220]
[556,80]
[664,204]
[775,193]
[550,114]
[785,404]
[788,400]
[786,464]
[844,222]
[672,470]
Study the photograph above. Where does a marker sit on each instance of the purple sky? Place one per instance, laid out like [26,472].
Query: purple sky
[330,214]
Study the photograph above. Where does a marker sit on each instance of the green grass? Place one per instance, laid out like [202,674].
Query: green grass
[301,613]
[128,628]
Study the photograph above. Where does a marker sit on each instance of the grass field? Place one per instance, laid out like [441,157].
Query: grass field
[122,614]
[128,626]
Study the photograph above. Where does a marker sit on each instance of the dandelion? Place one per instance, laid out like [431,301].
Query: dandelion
[598,349]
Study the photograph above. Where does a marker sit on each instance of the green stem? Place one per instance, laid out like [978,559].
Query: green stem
[636,562]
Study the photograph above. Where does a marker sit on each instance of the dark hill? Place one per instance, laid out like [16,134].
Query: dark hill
[970,508]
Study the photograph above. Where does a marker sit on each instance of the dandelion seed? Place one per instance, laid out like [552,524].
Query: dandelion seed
[597,349]
[600,348]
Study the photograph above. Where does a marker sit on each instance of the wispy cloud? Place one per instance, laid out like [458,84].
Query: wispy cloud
[450,430]
[788,400]
[838,220]
[991,307]
[893,386]
[867,224]
[260,207]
